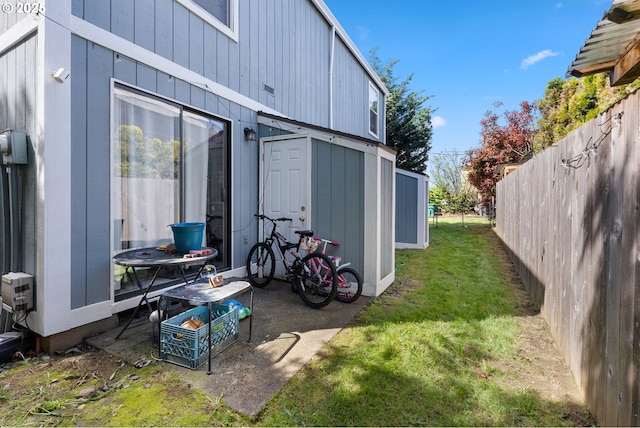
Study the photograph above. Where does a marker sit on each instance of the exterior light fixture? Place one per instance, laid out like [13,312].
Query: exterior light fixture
[58,75]
[249,134]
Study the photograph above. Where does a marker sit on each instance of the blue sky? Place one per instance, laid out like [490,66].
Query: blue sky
[468,54]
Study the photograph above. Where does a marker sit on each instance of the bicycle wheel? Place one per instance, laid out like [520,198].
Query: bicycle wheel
[261,265]
[316,280]
[349,285]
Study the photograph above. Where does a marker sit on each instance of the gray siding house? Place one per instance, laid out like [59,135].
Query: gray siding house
[143,113]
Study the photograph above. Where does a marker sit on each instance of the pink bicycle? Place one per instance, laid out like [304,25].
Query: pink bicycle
[349,280]
[315,285]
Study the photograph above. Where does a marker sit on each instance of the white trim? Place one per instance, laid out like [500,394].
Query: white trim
[329,137]
[181,104]
[230,31]
[422,238]
[331,61]
[390,277]
[263,165]
[123,47]
[21,30]
[132,302]
[377,94]
[371,259]
[89,314]
[53,157]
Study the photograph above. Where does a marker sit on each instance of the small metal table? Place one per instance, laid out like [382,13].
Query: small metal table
[201,293]
[153,257]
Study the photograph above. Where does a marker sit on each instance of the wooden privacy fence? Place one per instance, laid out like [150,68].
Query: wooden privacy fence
[570,220]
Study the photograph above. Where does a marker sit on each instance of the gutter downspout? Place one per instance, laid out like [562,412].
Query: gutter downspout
[332,53]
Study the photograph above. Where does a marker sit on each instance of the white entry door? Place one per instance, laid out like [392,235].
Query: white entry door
[285,182]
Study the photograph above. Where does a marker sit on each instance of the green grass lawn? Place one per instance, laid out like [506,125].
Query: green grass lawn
[423,353]
[428,351]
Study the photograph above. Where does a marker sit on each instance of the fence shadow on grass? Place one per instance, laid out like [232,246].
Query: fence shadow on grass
[378,394]
[431,344]
[575,243]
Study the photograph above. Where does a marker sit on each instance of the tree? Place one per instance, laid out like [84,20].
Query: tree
[450,188]
[144,157]
[445,171]
[437,196]
[409,129]
[501,144]
[567,104]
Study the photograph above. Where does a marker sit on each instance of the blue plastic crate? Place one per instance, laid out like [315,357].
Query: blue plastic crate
[188,347]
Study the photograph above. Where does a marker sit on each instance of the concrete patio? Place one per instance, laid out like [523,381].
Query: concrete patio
[286,334]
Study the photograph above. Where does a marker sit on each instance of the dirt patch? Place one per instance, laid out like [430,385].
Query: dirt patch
[538,365]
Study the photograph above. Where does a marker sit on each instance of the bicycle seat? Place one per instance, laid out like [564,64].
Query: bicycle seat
[305,232]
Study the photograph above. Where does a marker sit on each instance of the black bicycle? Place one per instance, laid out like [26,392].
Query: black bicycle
[316,286]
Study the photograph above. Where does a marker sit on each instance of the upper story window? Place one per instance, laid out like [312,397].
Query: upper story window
[374,97]
[218,8]
[221,14]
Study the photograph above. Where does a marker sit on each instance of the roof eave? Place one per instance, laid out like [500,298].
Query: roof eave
[613,46]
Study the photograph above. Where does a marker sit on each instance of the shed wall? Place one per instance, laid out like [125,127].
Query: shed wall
[337,183]
[412,217]
[387,217]
[407,209]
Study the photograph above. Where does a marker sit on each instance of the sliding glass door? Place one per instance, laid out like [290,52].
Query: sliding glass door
[169,165]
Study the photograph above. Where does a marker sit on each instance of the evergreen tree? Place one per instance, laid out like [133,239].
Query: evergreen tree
[409,129]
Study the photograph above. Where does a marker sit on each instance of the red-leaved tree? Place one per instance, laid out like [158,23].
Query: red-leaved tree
[500,144]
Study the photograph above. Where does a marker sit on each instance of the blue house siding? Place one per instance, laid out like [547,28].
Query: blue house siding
[92,68]
[351,91]
[18,86]
[285,58]
[281,59]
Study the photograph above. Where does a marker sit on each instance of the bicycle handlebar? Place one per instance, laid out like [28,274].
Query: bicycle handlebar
[263,216]
[326,241]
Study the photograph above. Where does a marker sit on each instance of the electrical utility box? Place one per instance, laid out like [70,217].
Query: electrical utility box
[17,291]
[13,147]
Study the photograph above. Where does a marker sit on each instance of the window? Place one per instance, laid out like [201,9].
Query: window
[373,110]
[169,165]
[218,8]
[220,14]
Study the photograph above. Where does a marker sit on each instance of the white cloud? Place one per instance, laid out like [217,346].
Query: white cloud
[363,32]
[533,59]
[437,121]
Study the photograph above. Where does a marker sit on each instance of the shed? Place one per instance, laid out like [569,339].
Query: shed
[412,215]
